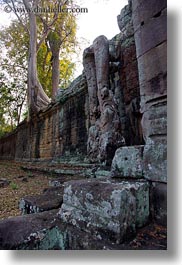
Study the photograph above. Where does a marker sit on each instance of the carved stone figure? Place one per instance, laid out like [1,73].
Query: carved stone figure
[105,134]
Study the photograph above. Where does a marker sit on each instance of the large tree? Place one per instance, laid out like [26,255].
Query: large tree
[37,98]
[62,36]
[47,34]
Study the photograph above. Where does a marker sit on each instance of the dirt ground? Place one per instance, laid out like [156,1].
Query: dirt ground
[22,184]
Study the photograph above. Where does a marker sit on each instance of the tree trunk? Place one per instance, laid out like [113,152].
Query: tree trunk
[55,72]
[37,99]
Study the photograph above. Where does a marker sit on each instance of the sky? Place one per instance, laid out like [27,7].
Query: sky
[101,19]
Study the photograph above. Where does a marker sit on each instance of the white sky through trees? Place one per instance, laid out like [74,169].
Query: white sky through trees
[101,19]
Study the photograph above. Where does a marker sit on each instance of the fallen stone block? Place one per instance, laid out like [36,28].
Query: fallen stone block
[4,183]
[50,199]
[32,232]
[111,210]
[55,182]
[128,162]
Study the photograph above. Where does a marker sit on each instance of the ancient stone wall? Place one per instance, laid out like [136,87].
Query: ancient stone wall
[61,129]
[8,146]
[150,26]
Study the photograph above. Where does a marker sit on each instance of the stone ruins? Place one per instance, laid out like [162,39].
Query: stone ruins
[110,129]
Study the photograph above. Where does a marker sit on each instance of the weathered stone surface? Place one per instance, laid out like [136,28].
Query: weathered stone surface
[105,208]
[155,160]
[50,134]
[4,183]
[153,74]
[154,121]
[146,73]
[44,231]
[99,207]
[128,162]
[49,200]
[8,146]
[150,25]
[105,131]
[56,182]
[125,23]
[145,10]
[148,41]
[140,189]
[102,174]
[129,83]
[158,197]
[32,232]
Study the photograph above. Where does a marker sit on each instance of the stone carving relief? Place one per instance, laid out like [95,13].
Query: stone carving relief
[105,134]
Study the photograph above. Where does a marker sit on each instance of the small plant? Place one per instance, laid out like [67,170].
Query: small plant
[30,174]
[14,186]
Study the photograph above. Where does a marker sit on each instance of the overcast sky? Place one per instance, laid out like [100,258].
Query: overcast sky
[101,19]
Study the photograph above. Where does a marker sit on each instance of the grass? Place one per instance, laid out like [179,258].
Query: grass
[14,186]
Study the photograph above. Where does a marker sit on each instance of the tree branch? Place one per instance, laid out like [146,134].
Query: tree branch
[16,14]
[48,29]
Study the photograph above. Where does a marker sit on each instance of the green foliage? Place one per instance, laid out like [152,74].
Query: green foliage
[61,40]
[44,68]
[14,186]
[12,99]
[66,73]
[14,44]
[13,77]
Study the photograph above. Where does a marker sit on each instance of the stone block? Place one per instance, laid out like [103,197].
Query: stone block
[155,160]
[152,68]
[51,199]
[128,162]
[145,10]
[4,183]
[140,190]
[151,34]
[154,121]
[107,209]
[32,232]
[99,207]
[158,198]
